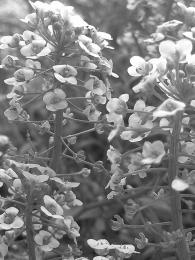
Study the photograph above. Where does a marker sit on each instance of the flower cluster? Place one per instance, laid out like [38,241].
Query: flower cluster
[61,64]
[102,247]
[56,30]
[54,52]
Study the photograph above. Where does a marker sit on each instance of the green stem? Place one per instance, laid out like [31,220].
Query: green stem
[147,225]
[176,211]
[80,133]
[29,228]
[57,149]
[151,170]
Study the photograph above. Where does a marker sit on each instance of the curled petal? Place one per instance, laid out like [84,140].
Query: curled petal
[169,108]
[71,80]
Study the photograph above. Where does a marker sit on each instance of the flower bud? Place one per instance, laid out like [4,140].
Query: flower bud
[57,26]
[117,224]
[9,62]
[15,41]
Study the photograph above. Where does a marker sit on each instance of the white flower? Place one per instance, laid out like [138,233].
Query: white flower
[67,13]
[175,52]
[118,106]
[124,251]
[139,67]
[107,66]
[159,66]
[169,108]
[118,124]
[21,76]
[189,149]
[101,258]
[100,246]
[9,61]
[46,241]
[88,47]
[10,41]
[140,123]
[86,63]
[30,19]
[51,208]
[42,9]
[179,185]
[95,85]
[114,156]
[35,65]
[35,49]
[55,100]
[136,129]
[153,152]
[34,46]
[65,74]
[10,219]
[91,112]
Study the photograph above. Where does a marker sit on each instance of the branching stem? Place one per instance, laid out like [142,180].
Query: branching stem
[57,149]
[183,252]
[29,228]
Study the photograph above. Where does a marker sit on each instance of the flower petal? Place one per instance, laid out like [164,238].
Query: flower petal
[167,49]
[179,185]
[184,47]
[137,61]
[133,72]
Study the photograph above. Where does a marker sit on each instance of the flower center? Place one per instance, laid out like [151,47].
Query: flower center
[36,49]
[52,209]
[37,46]
[19,76]
[121,107]
[8,219]
[154,154]
[55,100]
[66,72]
[170,107]
[46,240]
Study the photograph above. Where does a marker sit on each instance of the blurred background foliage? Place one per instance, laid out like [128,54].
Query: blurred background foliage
[129,22]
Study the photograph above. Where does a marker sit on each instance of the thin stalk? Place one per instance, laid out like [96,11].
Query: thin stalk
[29,228]
[147,225]
[80,133]
[151,170]
[57,149]
[183,252]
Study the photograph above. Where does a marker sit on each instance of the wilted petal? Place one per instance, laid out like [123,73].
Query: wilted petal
[169,108]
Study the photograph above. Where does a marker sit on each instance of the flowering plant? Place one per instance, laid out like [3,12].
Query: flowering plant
[60,62]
